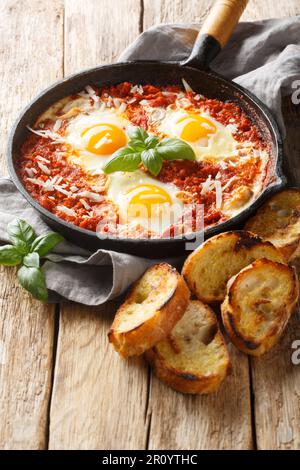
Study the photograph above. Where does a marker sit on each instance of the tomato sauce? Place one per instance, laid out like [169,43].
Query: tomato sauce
[67,191]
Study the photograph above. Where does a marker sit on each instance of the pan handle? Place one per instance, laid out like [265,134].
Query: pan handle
[215,32]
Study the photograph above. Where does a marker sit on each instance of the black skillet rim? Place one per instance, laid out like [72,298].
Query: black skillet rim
[278,184]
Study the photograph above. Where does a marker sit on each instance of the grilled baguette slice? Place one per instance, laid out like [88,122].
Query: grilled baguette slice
[210,266]
[259,302]
[278,221]
[194,357]
[154,305]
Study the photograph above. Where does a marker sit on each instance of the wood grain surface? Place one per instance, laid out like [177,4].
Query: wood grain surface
[26,326]
[61,384]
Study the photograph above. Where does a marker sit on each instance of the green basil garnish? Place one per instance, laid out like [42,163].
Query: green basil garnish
[147,149]
[27,249]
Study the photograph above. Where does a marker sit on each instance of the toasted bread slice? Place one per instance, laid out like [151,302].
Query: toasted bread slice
[259,302]
[154,305]
[210,266]
[278,221]
[194,357]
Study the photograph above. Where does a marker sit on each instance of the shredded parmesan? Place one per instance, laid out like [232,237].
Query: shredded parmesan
[57,125]
[47,134]
[218,187]
[44,168]
[116,102]
[42,159]
[233,178]
[206,185]
[85,204]
[198,97]
[92,196]
[92,94]
[122,108]
[67,211]
[223,164]
[74,188]
[187,87]
[62,190]
[29,172]
[36,181]
[137,89]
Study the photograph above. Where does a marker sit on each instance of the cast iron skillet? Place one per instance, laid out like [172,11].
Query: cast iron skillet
[214,35]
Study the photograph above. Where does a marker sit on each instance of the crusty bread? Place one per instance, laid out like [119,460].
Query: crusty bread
[194,357]
[154,305]
[259,302]
[278,221]
[210,266]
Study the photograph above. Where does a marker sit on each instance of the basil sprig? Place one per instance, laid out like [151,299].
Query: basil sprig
[147,149]
[26,250]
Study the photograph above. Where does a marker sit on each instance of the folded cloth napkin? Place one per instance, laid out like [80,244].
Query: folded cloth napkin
[263,56]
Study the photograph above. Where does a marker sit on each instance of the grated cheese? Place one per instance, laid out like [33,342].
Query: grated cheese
[44,168]
[92,196]
[206,185]
[57,125]
[85,204]
[29,172]
[187,87]
[62,190]
[218,188]
[122,108]
[42,159]
[233,178]
[66,210]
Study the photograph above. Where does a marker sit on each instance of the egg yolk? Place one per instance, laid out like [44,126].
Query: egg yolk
[147,196]
[195,127]
[104,139]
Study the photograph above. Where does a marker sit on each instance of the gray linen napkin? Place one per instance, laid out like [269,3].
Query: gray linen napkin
[263,56]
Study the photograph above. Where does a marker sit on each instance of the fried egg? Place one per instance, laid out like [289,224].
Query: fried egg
[206,136]
[95,137]
[144,200]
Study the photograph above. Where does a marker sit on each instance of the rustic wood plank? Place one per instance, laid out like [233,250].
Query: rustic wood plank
[218,421]
[98,33]
[29,61]
[194,11]
[276,385]
[99,401]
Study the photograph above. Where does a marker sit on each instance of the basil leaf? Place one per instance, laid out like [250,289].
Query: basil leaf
[125,159]
[21,234]
[45,243]
[32,260]
[136,145]
[151,142]
[152,161]
[33,280]
[10,256]
[175,149]
[137,133]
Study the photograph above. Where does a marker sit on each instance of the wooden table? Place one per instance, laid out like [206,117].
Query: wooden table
[61,384]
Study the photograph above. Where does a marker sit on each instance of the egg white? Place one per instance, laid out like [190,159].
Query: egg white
[217,145]
[91,162]
[163,215]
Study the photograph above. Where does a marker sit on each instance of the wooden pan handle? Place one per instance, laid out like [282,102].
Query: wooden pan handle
[223,18]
